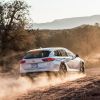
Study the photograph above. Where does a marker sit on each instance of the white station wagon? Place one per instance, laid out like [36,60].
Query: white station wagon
[56,59]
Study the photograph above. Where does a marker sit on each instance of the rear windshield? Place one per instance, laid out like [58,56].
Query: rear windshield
[36,54]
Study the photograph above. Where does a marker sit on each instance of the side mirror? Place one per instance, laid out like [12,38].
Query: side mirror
[77,55]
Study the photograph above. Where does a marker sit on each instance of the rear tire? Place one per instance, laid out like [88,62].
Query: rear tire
[22,74]
[82,68]
[62,69]
[26,75]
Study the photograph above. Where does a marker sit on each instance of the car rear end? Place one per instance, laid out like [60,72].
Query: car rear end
[38,61]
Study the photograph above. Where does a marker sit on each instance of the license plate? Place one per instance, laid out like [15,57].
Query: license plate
[34,66]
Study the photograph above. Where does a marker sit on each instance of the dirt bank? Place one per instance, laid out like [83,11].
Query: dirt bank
[74,86]
[86,88]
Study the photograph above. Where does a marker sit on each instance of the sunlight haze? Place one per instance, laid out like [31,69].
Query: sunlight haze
[48,10]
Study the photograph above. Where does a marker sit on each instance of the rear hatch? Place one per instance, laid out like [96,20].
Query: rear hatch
[35,56]
[32,59]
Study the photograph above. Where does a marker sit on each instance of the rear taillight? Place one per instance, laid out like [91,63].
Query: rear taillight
[22,61]
[48,59]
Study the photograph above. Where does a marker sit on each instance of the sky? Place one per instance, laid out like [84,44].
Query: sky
[48,10]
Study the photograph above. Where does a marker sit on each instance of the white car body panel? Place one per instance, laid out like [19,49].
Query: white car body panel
[37,65]
[41,67]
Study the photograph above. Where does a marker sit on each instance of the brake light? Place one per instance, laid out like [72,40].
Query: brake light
[22,61]
[48,59]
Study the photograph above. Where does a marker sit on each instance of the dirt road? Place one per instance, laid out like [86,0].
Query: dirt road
[84,88]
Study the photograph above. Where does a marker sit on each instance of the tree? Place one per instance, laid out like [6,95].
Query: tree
[13,18]
[38,39]
[1,23]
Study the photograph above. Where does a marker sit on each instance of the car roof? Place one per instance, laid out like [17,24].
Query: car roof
[49,49]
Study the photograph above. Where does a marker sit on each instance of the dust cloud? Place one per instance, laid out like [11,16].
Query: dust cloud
[11,88]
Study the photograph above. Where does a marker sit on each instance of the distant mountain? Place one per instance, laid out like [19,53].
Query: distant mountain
[67,23]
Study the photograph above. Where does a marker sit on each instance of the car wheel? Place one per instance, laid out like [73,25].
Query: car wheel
[62,69]
[22,74]
[82,69]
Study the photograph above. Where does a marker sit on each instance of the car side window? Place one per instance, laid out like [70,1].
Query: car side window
[57,53]
[63,53]
[60,53]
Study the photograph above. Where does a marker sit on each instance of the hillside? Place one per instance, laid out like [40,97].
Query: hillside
[68,23]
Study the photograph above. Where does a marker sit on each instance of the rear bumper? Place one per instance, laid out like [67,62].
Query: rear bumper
[41,68]
[38,70]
